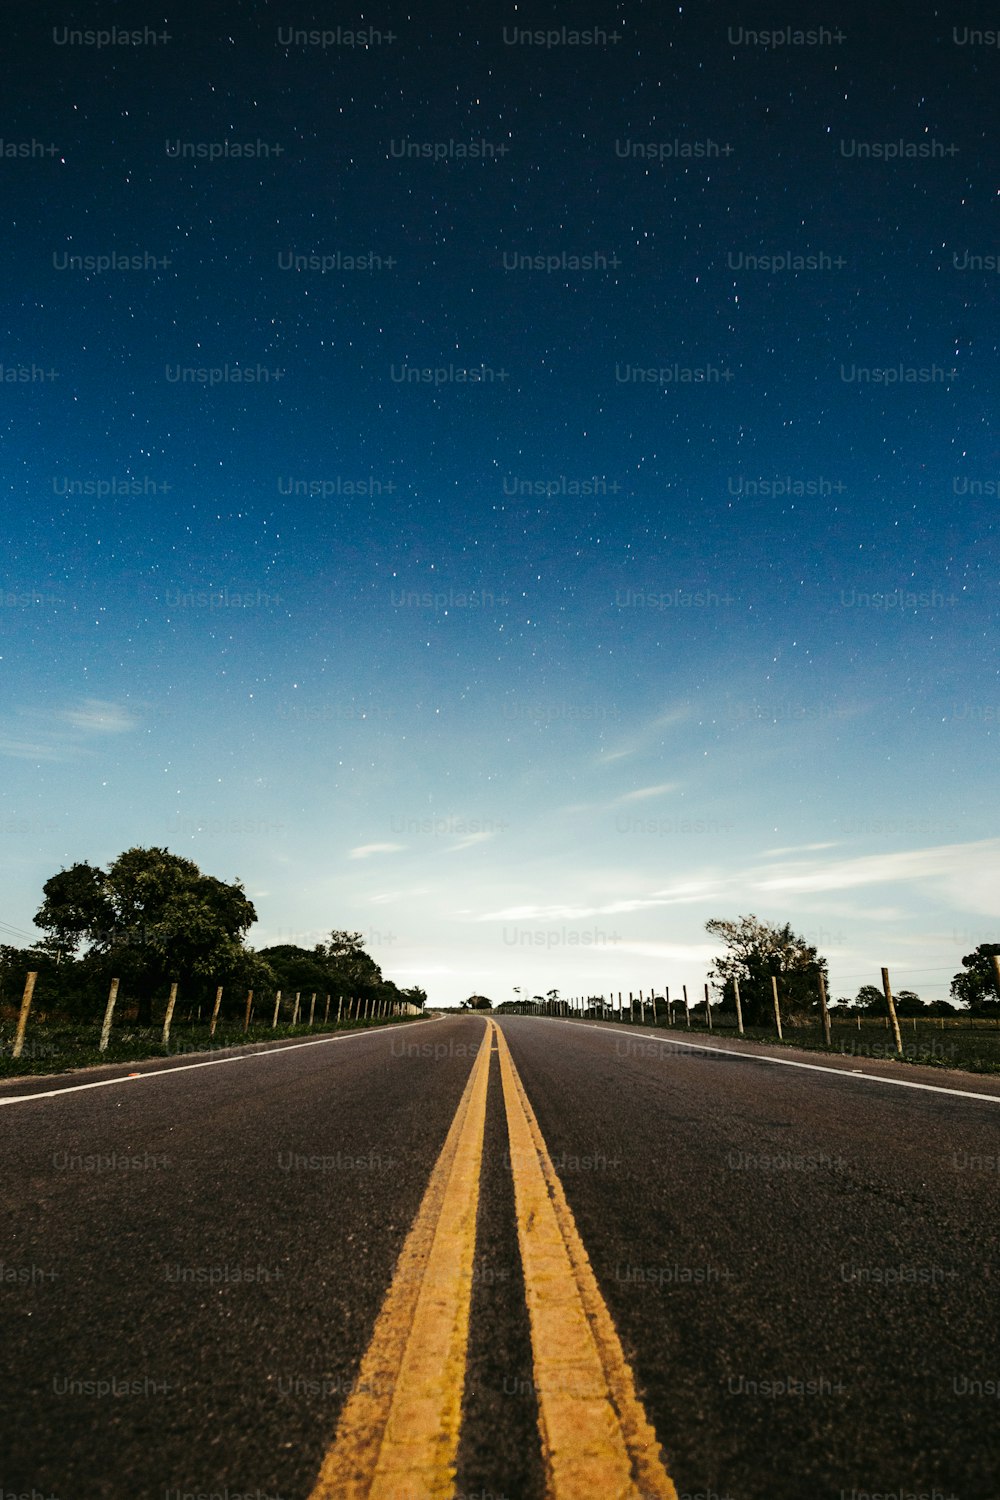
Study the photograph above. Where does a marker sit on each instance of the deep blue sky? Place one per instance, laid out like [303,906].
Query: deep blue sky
[514,729]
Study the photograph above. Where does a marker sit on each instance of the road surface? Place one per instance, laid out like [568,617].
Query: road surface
[501,1259]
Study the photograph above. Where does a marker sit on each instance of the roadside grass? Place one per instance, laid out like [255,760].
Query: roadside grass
[58,1046]
[971,1044]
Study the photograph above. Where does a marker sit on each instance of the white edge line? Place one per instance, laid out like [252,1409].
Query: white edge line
[272,1051]
[787,1062]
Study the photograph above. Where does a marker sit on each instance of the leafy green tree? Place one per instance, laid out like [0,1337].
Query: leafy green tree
[61,986]
[756,950]
[975,984]
[297,969]
[353,970]
[151,917]
[908,1003]
[77,907]
[870,998]
[340,968]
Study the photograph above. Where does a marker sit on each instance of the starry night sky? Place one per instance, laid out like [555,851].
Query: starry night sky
[662,600]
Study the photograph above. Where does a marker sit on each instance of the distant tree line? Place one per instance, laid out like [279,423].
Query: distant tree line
[756,950]
[151,918]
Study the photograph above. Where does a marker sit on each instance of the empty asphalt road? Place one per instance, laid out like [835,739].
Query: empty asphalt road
[506,1259]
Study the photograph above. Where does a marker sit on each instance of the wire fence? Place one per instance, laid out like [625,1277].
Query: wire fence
[41,1036]
[969,1040]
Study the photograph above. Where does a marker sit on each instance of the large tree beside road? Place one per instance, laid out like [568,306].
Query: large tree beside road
[151,917]
[756,950]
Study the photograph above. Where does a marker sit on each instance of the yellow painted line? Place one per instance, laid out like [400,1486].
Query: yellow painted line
[596,1437]
[398,1432]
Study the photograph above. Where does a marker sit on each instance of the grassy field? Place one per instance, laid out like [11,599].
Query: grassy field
[968,1042]
[53,1046]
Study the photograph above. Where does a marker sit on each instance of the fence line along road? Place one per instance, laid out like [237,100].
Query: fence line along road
[598,1007]
[352,1010]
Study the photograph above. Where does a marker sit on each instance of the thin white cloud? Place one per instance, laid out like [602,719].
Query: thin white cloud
[98,716]
[966,876]
[935,863]
[607,756]
[644,736]
[62,734]
[473,838]
[365,851]
[35,749]
[381,898]
[800,849]
[638,795]
[696,953]
[696,891]
[642,792]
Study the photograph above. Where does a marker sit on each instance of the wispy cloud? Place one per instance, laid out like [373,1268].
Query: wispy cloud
[64,734]
[34,749]
[98,716]
[365,851]
[648,733]
[696,953]
[799,849]
[934,863]
[642,792]
[471,839]
[966,875]
[565,912]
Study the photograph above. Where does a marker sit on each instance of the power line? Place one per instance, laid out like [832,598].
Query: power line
[18,932]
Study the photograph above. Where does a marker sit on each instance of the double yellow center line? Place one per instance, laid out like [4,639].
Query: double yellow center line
[398,1434]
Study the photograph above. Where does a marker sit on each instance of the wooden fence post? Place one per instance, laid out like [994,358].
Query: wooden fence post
[215,1010]
[887,987]
[739,1007]
[277,1007]
[326,1013]
[687,1008]
[22,1020]
[172,1001]
[340,1003]
[246,1017]
[102,1045]
[708,1009]
[777,1008]
[824,1012]
[995,957]
[312,1007]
